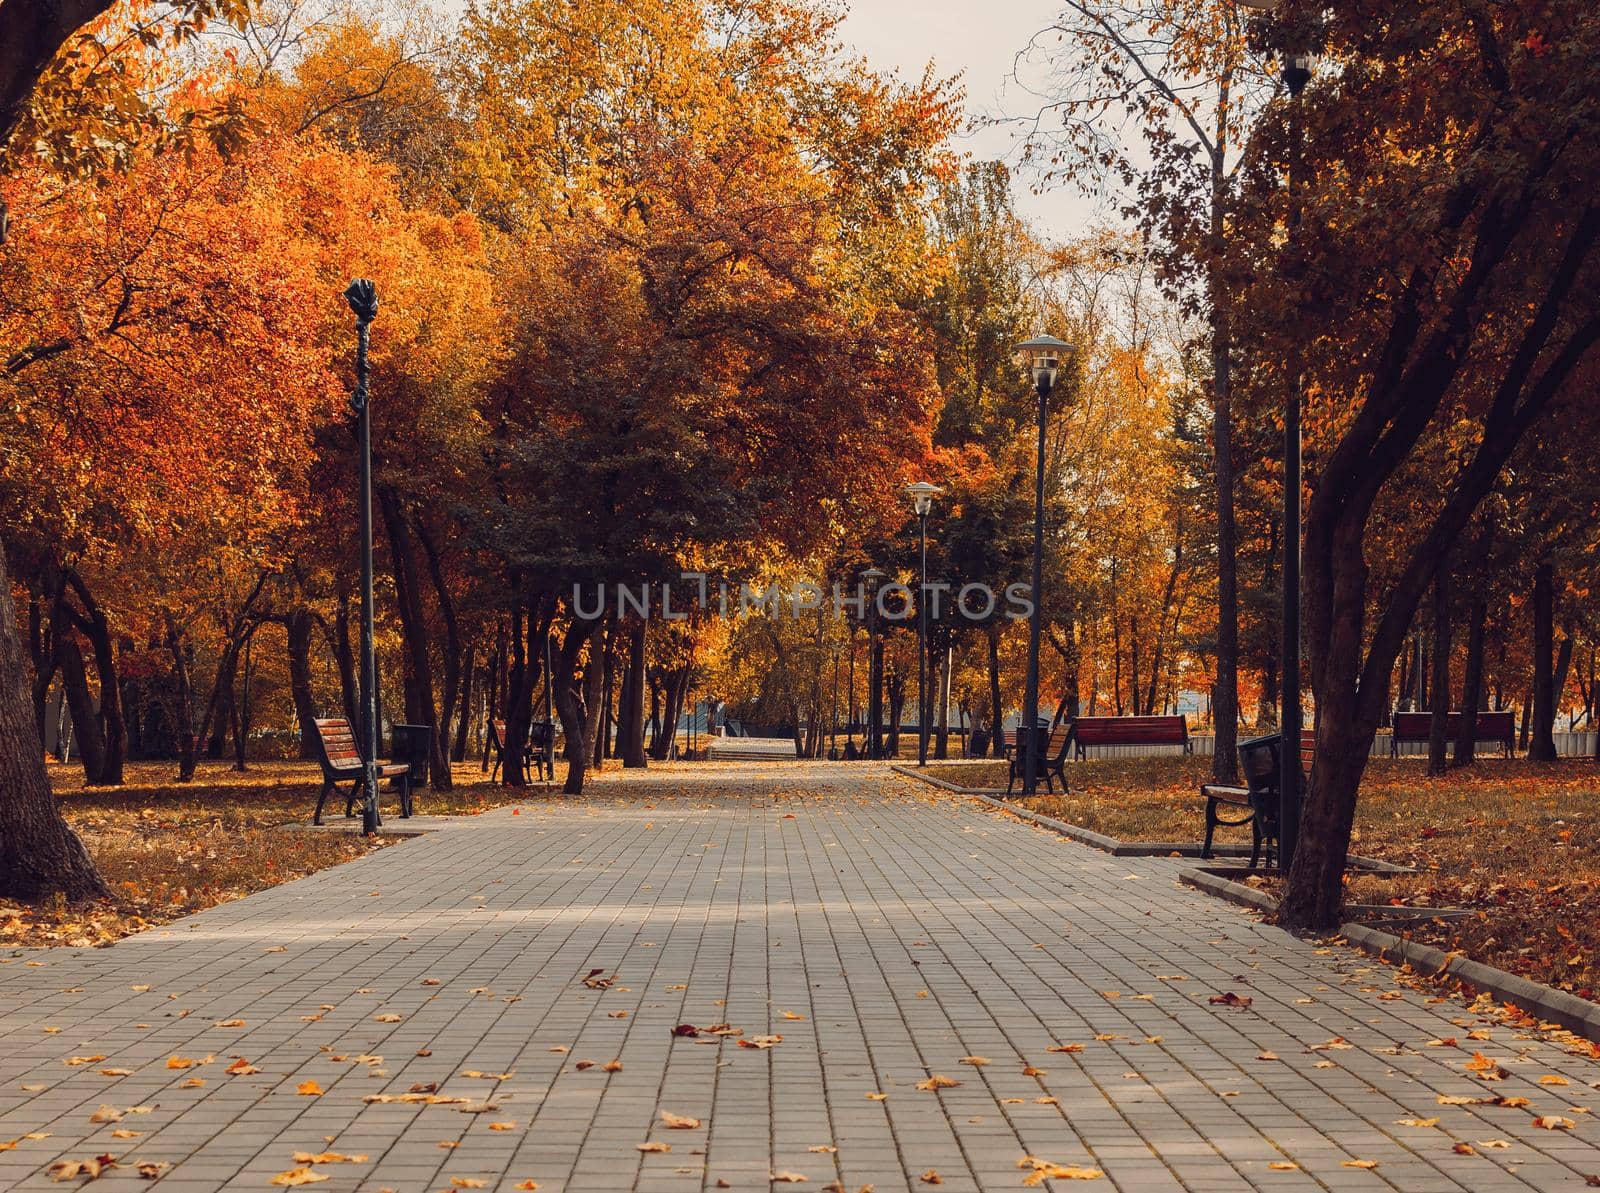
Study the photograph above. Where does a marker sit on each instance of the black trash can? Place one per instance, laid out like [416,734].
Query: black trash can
[409,744]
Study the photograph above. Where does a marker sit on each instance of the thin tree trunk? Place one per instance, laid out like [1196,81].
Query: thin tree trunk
[941,744]
[1542,747]
[413,629]
[997,716]
[569,701]
[458,752]
[113,728]
[39,854]
[1438,724]
[630,716]
[297,628]
[80,702]
[1471,685]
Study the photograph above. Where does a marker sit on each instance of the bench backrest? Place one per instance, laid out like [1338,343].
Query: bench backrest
[1131,731]
[337,744]
[1259,765]
[1492,725]
[1058,738]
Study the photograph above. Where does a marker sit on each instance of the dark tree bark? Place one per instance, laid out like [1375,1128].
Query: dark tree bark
[1438,725]
[298,625]
[31,34]
[1542,745]
[997,715]
[1471,685]
[458,752]
[630,713]
[344,658]
[80,703]
[413,630]
[593,689]
[569,701]
[91,620]
[451,651]
[39,854]
[675,684]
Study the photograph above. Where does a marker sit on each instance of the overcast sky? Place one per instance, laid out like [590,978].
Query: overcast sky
[976,39]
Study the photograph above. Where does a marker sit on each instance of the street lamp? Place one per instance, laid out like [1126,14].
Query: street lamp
[362,296]
[1044,355]
[922,495]
[1295,74]
[873,577]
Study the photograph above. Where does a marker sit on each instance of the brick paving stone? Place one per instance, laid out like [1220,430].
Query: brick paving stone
[884,930]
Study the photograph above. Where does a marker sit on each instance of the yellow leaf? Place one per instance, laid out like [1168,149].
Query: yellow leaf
[938,1081]
[679,1122]
[298,1176]
[328,1158]
[1358,1163]
[654,1146]
[309,1089]
[241,1068]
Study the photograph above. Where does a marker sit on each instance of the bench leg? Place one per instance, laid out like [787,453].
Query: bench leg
[322,796]
[1255,841]
[1211,828]
[1011,780]
[405,796]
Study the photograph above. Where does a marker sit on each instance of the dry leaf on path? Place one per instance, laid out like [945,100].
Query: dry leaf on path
[654,1146]
[299,1176]
[71,1170]
[938,1081]
[679,1122]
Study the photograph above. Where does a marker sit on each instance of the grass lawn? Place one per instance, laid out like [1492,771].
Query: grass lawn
[167,850]
[1517,843]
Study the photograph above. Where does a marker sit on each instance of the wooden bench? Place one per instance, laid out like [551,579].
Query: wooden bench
[1496,725]
[341,762]
[1053,762]
[1130,731]
[539,753]
[1260,795]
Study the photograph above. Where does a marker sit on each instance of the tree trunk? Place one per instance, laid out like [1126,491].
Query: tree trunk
[113,729]
[1471,685]
[344,657]
[569,701]
[458,752]
[1558,685]
[451,651]
[1225,693]
[413,629]
[1542,745]
[630,716]
[297,627]
[1438,724]
[80,702]
[997,715]
[40,855]
[941,743]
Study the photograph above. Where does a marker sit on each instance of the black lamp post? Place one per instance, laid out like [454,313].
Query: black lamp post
[1044,359]
[873,577]
[362,296]
[922,495]
[1295,73]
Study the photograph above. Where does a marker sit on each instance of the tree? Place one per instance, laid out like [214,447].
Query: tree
[1182,74]
[1466,132]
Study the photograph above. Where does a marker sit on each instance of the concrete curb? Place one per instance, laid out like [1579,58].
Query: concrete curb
[1577,1015]
[1111,845]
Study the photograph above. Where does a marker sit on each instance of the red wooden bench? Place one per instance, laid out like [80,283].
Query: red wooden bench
[1130,731]
[1053,762]
[1260,795]
[341,761]
[1496,725]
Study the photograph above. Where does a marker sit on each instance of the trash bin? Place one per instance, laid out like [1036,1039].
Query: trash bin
[1261,761]
[1041,749]
[409,744]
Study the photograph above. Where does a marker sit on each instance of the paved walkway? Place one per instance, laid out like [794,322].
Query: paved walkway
[884,930]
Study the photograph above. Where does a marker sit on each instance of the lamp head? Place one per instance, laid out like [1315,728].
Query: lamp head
[1042,356]
[922,495]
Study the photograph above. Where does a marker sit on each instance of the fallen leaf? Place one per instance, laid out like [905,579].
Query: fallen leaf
[654,1146]
[1358,1163]
[612,1066]
[309,1089]
[1283,1166]
[152,1170]
[1495,1143]
[877,1097]
[328,1158]
[231,1023]
[1044,1170]
[1463,1149]
[680,1122]
[761,1042]
[1417,1122]
[502,1126]
[1553,1079]
[1266,1056]
[1066,1048]
[75,1061]
[788,1178]
[1554,1122]
[241,1068]
[298,1176]
[1230,999]
[387,1017]
[938,1081]
[931,1177]
[106,1114]
[974,1060]
[71,1170]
